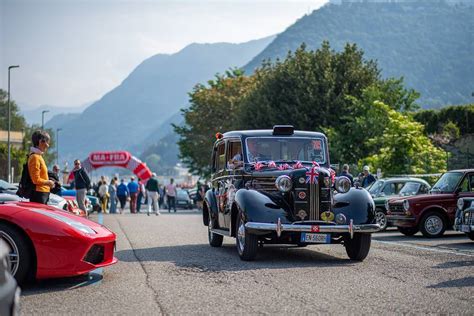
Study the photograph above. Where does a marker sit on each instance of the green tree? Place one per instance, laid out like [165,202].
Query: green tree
[18,122]
[213,109]
[361,120]
[403,147]
[308,89]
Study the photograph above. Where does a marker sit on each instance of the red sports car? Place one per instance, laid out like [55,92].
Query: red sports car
[47,243]
[73,207]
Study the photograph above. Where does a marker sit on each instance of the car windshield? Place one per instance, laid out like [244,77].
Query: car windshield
[376,187]
[7,186]
[410,188]
[182,194]
[447,183]
[303,149]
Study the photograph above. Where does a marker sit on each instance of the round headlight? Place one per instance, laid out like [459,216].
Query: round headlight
[460,203]
[406,205]
[343,184]
[284,183]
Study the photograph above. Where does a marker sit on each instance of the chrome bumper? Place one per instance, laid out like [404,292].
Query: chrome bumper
[279,228]
[464,228]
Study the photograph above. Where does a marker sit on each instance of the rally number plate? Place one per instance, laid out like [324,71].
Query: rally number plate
[316,238]
[465,228]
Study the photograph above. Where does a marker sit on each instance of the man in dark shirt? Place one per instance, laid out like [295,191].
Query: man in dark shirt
[54,176]
[345,172]
[82,183]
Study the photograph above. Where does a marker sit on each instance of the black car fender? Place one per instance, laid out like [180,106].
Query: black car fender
[356,204]
[258,207]
[210,207]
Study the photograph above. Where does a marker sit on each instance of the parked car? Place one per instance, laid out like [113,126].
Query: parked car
[73,207]
[47,243]
[67,204]
[6,187]
[384,189]
[92,202]
[276,187]
[464,221]
[432,213]
[183,200]
[9,290]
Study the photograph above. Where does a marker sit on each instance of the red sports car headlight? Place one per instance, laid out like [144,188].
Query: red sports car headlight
[76,225]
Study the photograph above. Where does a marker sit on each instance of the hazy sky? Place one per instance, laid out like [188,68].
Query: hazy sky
[73,51]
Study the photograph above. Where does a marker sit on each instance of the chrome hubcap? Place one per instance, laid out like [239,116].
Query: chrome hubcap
[241,236]
[14,256]
[434,225]
[381,219]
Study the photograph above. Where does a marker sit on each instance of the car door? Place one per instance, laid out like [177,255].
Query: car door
[234,176]
[219,180]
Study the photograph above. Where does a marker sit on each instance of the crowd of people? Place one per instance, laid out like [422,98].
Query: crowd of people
[113,195]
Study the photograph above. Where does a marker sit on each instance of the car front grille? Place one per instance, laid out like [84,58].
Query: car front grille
[265,184]
[396,208]
[468,218]
[313,201]
[95,255]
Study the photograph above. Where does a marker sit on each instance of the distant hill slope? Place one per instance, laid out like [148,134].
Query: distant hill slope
[152,93]
[33,115]
[430,43]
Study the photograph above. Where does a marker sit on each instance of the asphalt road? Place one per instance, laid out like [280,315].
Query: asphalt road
[167,267]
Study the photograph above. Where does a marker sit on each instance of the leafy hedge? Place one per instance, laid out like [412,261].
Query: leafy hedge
[435,120]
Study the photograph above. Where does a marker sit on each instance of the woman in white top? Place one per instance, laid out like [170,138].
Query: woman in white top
[104,195]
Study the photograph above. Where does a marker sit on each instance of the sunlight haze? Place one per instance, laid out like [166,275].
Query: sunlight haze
[73,52]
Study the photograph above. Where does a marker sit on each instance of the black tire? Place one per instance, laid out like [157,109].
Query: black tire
[247,244]
[215,240]
[358,247]
[433,225]
[381,219]
[408,231]
[470,235]
[18,244]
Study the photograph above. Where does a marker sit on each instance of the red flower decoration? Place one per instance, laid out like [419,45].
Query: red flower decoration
[298,165]
[272,164]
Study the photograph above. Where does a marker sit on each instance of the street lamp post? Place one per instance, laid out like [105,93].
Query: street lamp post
[57,145]
[9,165]
[42,118]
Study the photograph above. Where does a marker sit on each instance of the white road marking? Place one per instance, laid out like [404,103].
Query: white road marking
[424,248]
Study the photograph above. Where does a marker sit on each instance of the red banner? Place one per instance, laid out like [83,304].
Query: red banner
[109,158]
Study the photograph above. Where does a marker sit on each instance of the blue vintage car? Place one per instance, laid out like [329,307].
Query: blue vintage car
[276,187]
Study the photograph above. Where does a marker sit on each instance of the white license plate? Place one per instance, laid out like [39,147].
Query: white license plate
[316,238]
[465,228]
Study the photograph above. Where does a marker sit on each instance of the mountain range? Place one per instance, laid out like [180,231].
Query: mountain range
[154,92]
[429,43]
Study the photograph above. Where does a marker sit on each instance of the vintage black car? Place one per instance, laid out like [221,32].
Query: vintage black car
[276,186]
[464,220]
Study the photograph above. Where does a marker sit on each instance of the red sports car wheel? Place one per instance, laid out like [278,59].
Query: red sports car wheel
[20,255]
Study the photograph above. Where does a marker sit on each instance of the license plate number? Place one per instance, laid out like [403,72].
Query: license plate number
[465,228]
[316,238]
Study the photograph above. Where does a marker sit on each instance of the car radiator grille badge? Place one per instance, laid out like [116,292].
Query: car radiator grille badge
[302,214]
[327,216]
